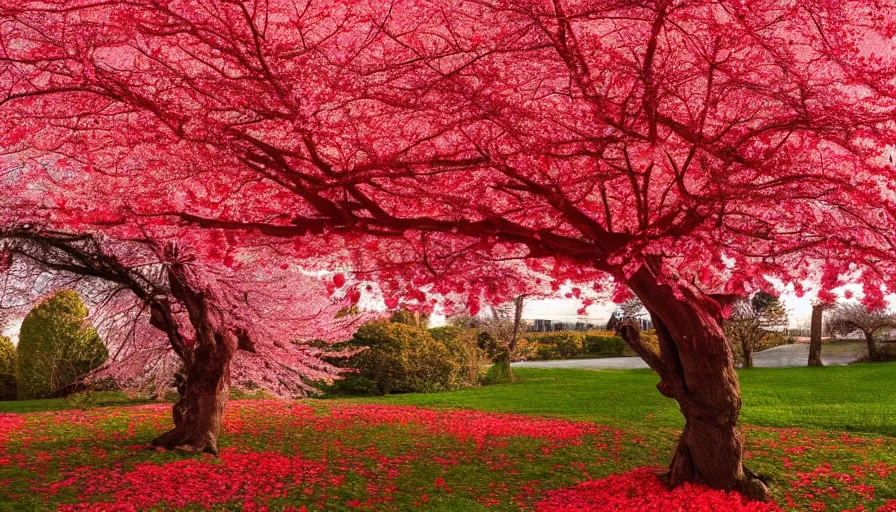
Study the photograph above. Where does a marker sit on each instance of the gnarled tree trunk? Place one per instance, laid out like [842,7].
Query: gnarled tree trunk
[199,412]
[696,368]
[815,336]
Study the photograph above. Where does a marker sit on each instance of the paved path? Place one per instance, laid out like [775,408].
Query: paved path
[779,357]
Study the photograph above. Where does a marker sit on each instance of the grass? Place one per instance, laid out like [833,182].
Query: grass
[856,398]
[98,399]
[808,429]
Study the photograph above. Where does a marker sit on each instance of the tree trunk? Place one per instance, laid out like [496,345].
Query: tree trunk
[872,349]
[747,349]
[696,368]
[198,414]
[815,336]
[518,302]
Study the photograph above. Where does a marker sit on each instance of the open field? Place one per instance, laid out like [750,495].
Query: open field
[824,437]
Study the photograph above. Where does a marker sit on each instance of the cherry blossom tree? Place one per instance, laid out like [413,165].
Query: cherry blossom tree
[162,313]
[687,149]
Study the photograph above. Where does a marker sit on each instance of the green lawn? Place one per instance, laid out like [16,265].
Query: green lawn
[858,398]
[825,438]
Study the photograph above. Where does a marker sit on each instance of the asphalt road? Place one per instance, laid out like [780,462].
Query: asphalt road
[785,356]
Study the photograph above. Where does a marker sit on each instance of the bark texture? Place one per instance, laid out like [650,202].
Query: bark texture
[199,412]
[696,368]
[815,336]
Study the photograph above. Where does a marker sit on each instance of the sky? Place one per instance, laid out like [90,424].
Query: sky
[799,310]
[565,310]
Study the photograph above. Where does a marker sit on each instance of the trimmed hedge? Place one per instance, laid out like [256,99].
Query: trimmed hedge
[57,347]
[604,346]
[572,344]
[401,358]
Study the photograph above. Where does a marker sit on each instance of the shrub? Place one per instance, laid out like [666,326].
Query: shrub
[564,344]
[499,373]
[557,337]
[526,350]
[400,358]
[546,352]
[774,339]
[465,353]
[7,369]
[604,346]
[568,344]
[57,348]
[412,318]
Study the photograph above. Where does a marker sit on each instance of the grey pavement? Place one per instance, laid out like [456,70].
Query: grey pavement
[785,356]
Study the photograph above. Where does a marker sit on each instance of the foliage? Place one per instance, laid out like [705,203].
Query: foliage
[278,321]
[57,347]
[465,354]
[500,372]
[544,163]
[884,354]
[412,318]
[7,356]
[7,369]
[603,346]
[558,345]
[399,358]
[571,344]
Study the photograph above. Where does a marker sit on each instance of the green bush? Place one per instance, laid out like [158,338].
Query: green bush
[57,347]
[569,344]
[604,346]
[546,352]
[773,339]
[7,369]
[465,354]
[563,344]
[557,338]
[396,357]
[499,373]
[400,358]
[447,333]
